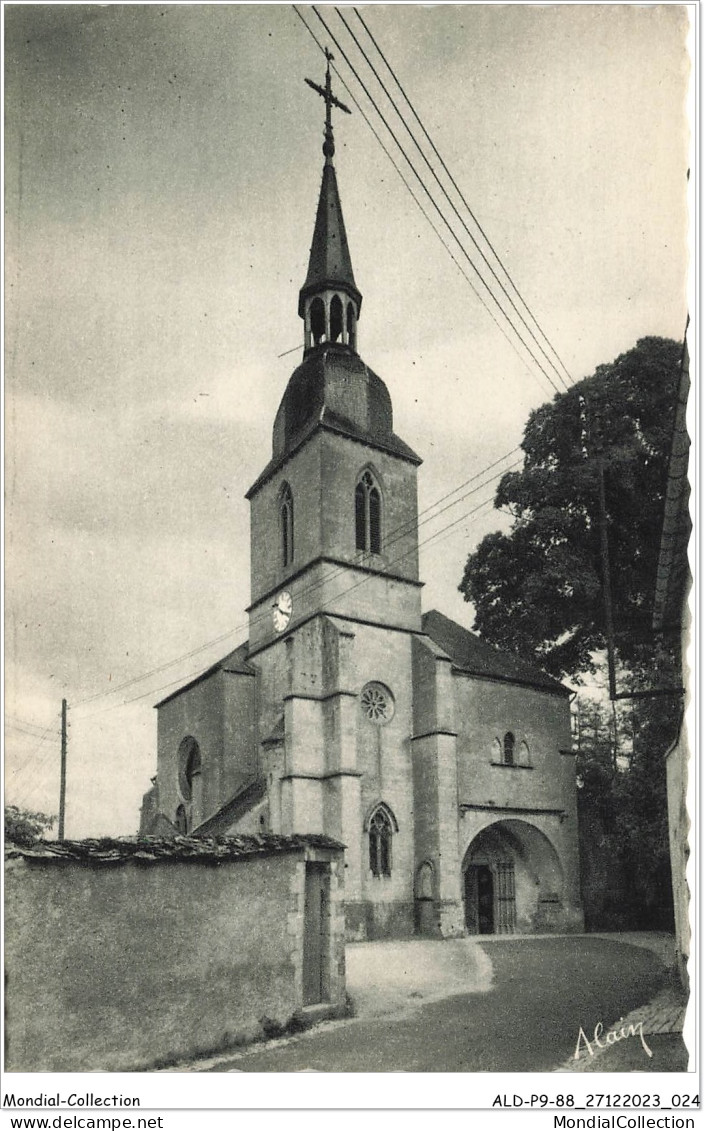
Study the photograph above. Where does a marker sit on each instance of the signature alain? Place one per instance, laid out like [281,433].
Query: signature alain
[612,1037]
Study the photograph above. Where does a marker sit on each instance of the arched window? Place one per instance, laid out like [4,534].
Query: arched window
[496,752]
[193,767]
[286,520]
[523,754]
[317,320]
[351,328]
[381,830]
[509,747]
[424,881]
[335,318]
[367,511]
[190,782]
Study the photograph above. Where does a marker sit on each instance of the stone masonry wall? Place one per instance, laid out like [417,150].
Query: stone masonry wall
[118,968]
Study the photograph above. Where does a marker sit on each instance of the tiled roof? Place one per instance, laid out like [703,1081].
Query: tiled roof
[330,264]
[474,656]
[180,849]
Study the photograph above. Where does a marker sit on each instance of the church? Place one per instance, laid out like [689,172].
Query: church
[442,765]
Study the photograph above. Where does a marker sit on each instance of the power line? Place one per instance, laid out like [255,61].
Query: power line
[444,219]
[189,679]
[409,188]
[395,535]
[461,195]
[445,192]
[161,668]
[26,726]
[327,578]
[34,779]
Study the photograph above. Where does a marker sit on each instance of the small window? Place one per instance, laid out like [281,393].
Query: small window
[367,510]
[286,520]
[509,748]
[380,837]
[181,823]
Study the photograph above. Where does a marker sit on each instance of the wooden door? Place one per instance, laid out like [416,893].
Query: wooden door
[505,898]
[315,934]
[479,899]
[471,917]
[485,899]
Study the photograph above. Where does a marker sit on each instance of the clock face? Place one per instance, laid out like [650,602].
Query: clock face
[283,607]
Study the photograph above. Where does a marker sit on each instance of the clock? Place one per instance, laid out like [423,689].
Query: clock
[283,607]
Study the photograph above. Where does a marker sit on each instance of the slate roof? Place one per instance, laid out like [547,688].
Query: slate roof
[329,264]
[235,662]
[474,656]
[179,849]
[335,390]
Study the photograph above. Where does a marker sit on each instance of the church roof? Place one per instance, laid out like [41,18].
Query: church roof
[335,390]
[330,264]
[472,655]
[235,662]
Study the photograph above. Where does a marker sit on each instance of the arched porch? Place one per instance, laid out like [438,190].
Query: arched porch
[512,881]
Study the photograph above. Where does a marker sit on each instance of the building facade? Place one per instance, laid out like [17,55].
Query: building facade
[443,765]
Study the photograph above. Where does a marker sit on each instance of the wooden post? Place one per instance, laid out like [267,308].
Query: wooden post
[62,787]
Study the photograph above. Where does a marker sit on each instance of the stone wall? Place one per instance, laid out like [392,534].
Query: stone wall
[120,962]
[678,820]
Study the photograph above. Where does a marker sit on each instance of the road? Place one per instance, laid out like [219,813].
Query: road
[544,991]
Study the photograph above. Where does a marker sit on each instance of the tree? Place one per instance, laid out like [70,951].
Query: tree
[24,827]
[538,589]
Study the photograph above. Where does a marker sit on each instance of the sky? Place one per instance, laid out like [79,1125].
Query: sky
[162,167]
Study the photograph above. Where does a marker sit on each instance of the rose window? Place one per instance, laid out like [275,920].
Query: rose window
[377,703]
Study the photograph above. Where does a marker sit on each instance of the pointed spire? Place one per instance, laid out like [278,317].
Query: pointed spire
[330,264]
[329,301]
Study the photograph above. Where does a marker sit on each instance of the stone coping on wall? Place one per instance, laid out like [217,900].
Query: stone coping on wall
[178,849]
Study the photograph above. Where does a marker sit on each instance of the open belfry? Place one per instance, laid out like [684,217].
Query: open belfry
[442,765]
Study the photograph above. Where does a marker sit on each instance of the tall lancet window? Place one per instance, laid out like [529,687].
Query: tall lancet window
[317,320]
[509,749]
[351,328]
[367,510]
[381,827]
[335,318]
[286,520]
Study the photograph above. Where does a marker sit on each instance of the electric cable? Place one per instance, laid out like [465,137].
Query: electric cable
[461,196]
[464,251]
[446,194]
[549,389]
[402,530]
[190,679]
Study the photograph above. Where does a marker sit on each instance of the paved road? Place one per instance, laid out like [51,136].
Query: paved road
[545,989]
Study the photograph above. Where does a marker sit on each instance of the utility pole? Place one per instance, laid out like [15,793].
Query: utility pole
[62,787]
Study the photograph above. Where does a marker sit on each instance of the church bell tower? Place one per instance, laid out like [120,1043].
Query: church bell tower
[334,513]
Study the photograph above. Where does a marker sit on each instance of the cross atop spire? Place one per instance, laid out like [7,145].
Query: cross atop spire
[330,101]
